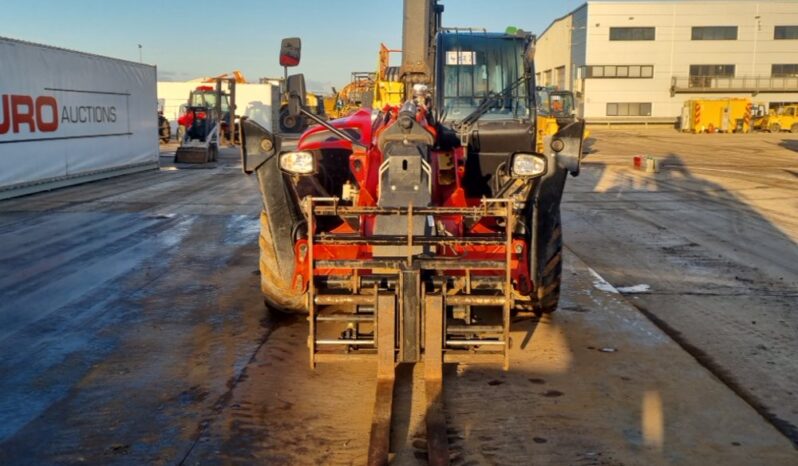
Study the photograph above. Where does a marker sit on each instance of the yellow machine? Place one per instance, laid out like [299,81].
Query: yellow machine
[555,109]
[546,126]
[331,105]
[759,112]
[785,118]
[383,88]
[349,99]
[388,88]
[717,116]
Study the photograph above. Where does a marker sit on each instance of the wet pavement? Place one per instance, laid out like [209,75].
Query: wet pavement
[133,332]
[594,384]
[711,245]
[130,307]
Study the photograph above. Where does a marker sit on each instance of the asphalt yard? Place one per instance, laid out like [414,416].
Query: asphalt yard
[134,332]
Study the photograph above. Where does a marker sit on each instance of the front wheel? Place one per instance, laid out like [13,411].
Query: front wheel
[550,263]
[276,287]
[794,128]
[775,128]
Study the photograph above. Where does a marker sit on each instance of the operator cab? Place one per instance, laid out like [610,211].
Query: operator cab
[484,89]
[473,67]
[554,103]
[206,97]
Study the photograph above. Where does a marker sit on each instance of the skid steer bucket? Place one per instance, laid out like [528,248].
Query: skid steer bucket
[188,154]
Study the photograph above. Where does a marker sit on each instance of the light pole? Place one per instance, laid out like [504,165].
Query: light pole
[140,60]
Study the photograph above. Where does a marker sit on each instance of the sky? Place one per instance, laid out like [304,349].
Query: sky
[189,39]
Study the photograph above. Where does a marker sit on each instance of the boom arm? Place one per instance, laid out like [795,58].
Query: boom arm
[422,20]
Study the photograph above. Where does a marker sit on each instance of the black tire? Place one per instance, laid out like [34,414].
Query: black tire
[550,263]
[775,128]
[291,124]
[277,291]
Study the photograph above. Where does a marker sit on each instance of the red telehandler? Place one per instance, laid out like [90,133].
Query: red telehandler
[412,233]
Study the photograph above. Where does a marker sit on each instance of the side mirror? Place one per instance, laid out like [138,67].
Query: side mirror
[290,51]
[257,145]
[295,86]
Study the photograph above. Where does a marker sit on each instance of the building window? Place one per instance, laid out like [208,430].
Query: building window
[777,105]
[785,32]
[784,71]
[629,109]
[646,33]
[715,71]
[560,72]
[620,71]
[714,33]
[702,75]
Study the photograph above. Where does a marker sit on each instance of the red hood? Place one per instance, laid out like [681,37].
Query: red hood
[319,137]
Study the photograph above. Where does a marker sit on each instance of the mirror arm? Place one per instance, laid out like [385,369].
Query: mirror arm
[332,128]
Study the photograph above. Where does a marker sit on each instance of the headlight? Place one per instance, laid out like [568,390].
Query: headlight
[298,163]
[528,165]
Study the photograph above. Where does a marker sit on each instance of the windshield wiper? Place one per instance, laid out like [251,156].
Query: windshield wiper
[487,103]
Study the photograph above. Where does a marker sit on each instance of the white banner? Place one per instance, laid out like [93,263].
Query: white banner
[64,114]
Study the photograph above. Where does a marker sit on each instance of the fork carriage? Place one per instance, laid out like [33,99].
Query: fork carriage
[454,292]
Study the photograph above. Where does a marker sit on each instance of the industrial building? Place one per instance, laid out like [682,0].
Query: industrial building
[641,60]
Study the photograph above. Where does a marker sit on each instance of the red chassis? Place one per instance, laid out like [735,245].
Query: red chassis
[470,231]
